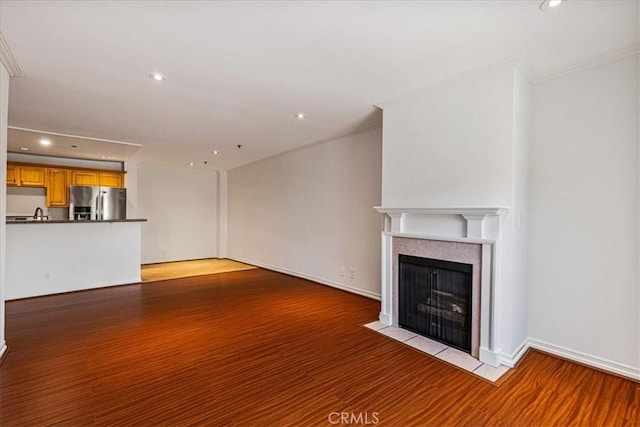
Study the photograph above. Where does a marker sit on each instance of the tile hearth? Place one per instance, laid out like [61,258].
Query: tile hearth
[441,351]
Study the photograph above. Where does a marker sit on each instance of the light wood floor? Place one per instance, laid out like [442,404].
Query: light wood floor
[199,267]
[258,348]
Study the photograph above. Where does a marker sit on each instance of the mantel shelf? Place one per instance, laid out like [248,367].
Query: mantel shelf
[483,210]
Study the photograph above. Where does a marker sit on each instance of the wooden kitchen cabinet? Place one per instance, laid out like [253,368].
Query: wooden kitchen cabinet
[58,188]
[33,176]
[111,179]
[57,179]
[13,174]
[82,177]
[26,176]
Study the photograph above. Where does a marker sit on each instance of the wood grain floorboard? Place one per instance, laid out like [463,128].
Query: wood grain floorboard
[265,349]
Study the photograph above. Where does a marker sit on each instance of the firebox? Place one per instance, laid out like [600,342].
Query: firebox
[435,299]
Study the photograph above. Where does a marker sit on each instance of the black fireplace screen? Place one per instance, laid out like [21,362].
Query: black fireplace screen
[435,299]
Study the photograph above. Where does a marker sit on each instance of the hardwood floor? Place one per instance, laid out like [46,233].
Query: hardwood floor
[261,348]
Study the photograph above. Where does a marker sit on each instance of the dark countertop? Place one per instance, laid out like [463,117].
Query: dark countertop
[67,221]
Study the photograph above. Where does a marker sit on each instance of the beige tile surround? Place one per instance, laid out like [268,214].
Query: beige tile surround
[441,351]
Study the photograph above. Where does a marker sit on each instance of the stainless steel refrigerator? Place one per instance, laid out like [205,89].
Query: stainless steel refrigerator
[97,203]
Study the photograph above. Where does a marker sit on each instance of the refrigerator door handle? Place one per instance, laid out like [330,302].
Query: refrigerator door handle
[99,213]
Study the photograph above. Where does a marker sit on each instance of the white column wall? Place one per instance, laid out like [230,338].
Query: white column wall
[4,110]
[451,146]
[512,298]
[223,201]
[464,144]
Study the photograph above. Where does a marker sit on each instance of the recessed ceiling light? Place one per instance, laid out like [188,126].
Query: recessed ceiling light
[215,152]
[45,142]
[104,157]
[190,163]
[24,148]
[301,115]
[546,4]
[157,76]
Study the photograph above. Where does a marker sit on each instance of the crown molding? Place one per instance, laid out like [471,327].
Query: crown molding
[7,59]
[519,60]
[524,63]
[613,55]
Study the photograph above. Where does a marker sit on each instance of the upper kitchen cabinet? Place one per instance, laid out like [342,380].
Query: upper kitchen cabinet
[111,179]
[13,174]
[58,187]
[84,177]
[26,176]
[57,179]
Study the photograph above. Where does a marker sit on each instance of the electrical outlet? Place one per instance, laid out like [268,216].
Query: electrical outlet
[47,275]
[352,273]
[342,272]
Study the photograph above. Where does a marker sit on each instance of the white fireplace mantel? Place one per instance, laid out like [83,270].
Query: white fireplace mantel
[444,211]
[474,217]
[470,225]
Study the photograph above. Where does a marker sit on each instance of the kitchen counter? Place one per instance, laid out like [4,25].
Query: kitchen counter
[69,221]
[65,257]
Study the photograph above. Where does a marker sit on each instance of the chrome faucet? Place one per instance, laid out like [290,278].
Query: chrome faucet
[38,213]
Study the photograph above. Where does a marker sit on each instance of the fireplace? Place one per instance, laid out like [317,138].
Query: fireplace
[466,235]
[435,299]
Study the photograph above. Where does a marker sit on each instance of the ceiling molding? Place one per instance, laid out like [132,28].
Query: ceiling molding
[525,65]
[7,59]
[460,78]
[613,55]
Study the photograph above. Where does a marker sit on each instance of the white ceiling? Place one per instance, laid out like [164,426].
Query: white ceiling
[238,72]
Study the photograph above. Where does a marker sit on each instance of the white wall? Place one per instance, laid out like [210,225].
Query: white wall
[4,110]
[181,209]
[451,146]
[584,292]
[310,212]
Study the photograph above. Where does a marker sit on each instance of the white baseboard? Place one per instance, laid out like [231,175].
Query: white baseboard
[489,357]
[510,360]
[320,280]
[384,318]
[586,359]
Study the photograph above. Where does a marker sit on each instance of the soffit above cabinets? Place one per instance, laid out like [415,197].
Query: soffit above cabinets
[26,141]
